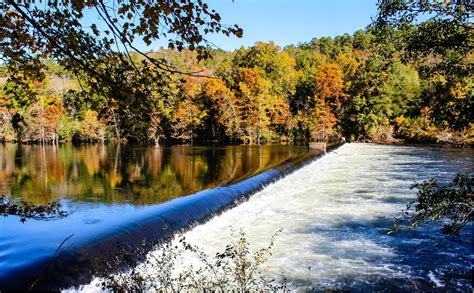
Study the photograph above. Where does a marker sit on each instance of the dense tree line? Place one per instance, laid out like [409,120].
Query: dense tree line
[359,86]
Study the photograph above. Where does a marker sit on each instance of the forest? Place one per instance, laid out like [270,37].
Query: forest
[361,87]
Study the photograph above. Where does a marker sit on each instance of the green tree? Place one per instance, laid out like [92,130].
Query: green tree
[438,36]
[447,24]
[369,110]
[402,88]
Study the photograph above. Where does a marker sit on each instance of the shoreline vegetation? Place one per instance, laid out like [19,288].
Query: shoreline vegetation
[358,86]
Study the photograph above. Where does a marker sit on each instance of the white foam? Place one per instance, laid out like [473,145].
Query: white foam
[435,280]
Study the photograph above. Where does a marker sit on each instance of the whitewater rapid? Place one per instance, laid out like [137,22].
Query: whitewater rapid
[334,214]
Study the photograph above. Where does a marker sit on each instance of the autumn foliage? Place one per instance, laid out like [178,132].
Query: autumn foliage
[350,86]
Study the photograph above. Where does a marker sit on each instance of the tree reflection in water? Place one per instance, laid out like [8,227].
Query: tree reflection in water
[138,175]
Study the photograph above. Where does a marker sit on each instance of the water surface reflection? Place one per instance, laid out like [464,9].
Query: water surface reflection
[129,174]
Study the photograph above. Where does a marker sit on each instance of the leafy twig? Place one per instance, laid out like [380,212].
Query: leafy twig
[26,210]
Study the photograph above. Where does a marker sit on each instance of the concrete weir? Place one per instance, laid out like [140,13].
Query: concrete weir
[318,146]
[76,263]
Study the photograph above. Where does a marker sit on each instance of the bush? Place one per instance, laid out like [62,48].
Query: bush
[381,133]
[415,129]
[421,129]
[67,128]
[236,269]
[90,128]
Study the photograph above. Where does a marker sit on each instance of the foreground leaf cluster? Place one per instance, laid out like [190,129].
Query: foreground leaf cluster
[26,210]
[453,203]
[237,268]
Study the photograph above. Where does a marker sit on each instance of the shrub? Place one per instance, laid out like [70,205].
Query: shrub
[90,128]
[236,269]
[415,129]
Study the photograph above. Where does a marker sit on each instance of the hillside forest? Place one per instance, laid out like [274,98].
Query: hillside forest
[360,87]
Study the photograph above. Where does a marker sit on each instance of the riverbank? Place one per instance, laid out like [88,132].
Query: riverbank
[445,138]
[413,131]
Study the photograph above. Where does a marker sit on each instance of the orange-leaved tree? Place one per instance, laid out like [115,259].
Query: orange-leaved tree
[329,98]
[224,112]
[253,96]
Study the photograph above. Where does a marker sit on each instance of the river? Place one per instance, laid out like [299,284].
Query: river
[117,194]
[334,212]
[334,215]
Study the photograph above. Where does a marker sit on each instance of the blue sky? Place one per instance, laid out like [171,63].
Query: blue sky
[291,21]
[283,21]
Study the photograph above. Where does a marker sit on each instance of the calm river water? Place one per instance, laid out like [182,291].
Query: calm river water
[126,174]
[113,194]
